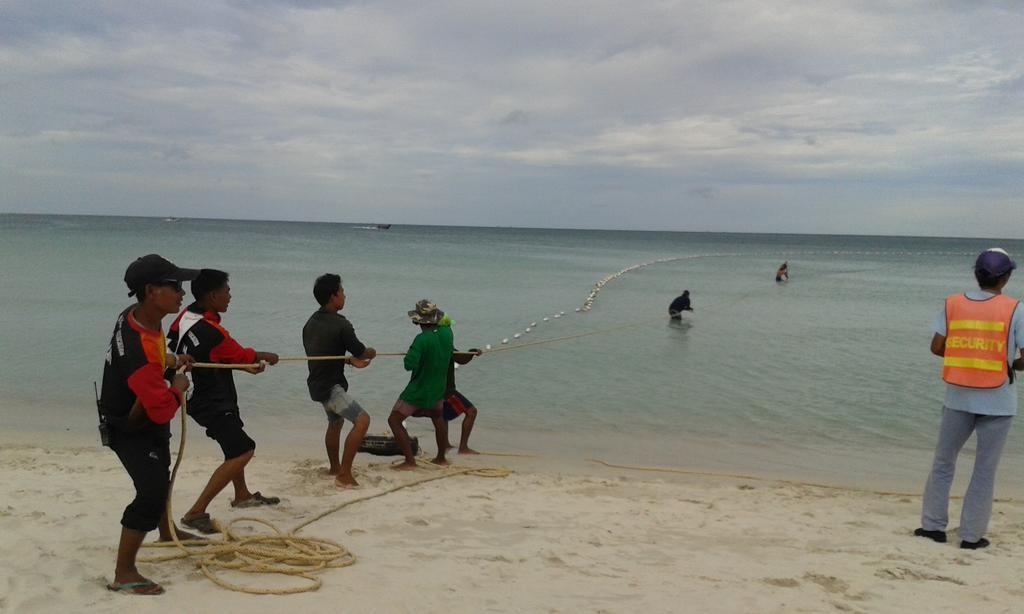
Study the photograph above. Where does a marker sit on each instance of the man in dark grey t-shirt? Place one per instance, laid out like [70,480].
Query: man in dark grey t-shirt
[328,333]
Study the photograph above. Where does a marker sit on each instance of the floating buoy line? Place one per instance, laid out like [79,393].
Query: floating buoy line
[589,302]
[509,343]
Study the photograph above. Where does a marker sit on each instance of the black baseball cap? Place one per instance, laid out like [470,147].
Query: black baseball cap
[153,268]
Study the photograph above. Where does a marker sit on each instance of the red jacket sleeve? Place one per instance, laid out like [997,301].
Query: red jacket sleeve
[230,351]
[159,400]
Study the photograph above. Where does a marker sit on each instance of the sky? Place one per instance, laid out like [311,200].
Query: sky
[819,116]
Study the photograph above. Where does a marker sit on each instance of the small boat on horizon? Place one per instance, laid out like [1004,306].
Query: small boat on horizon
[383,226]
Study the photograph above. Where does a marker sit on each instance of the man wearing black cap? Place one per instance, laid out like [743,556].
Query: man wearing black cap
[137,404]
[980,337]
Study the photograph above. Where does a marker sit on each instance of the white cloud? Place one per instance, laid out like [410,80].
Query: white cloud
[467,106]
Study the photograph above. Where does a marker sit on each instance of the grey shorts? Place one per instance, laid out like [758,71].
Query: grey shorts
[341,406]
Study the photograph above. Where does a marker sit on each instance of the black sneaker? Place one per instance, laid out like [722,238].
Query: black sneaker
[981,543]
[938,536]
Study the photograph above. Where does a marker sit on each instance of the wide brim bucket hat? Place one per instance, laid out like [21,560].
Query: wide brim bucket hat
[426,312]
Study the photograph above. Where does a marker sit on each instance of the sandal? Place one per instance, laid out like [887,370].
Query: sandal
[202,523]
[256,500]
[145,587]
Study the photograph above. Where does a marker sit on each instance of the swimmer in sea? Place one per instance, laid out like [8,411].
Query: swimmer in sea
[783,273]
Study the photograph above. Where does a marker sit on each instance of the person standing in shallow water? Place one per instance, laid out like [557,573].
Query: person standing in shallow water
[980,337]
[782,274]
[680,304]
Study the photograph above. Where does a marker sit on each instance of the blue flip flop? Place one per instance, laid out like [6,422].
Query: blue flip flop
[130,587]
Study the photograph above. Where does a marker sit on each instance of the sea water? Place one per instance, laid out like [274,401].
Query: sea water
[826,377]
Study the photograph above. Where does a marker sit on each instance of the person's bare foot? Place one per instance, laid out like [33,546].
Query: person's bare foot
[346,481]
[332,472]
[467,450]
[440,460]
[405,466]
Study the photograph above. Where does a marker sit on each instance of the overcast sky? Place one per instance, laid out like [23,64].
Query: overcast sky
[876,117]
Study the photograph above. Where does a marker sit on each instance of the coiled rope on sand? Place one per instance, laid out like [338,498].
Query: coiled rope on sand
[281,553]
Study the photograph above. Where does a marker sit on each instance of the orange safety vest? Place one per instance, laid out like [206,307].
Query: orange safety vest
[976,336]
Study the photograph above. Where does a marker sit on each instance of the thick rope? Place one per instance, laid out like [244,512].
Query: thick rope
[508,454]
[446,473]
[225,365]
[278,553]
[757,478]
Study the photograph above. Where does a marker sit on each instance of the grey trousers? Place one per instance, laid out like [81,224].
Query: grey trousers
[956,428]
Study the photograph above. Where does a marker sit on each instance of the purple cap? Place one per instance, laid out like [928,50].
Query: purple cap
[994,261]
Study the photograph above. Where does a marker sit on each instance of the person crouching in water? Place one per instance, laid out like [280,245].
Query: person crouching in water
[328,333]
[679,305]
[214,401]
[137,405]
[428,359]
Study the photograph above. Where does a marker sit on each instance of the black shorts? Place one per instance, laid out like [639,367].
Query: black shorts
[147,458]
[225,427]
[455,405]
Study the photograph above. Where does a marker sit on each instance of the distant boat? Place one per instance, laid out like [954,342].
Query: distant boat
[170,219]
[383,226]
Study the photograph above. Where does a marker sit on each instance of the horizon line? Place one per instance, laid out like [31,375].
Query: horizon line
[349,223]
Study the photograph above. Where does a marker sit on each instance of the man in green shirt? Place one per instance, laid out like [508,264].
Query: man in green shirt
[428,358]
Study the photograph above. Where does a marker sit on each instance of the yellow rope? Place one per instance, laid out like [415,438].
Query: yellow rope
[509,454]
[738,476]
[246,365]
[278,553]
[446,473]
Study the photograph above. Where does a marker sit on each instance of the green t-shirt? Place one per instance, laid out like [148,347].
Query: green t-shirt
[428,359]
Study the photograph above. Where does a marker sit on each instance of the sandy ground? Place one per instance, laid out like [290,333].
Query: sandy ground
[608,541]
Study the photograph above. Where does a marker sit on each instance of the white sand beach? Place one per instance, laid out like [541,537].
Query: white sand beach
[608,541]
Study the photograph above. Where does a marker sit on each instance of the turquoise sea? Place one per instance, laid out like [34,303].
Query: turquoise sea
[827,377]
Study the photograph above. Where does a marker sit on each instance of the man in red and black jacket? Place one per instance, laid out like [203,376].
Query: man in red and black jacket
[214,402]
[137,404]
